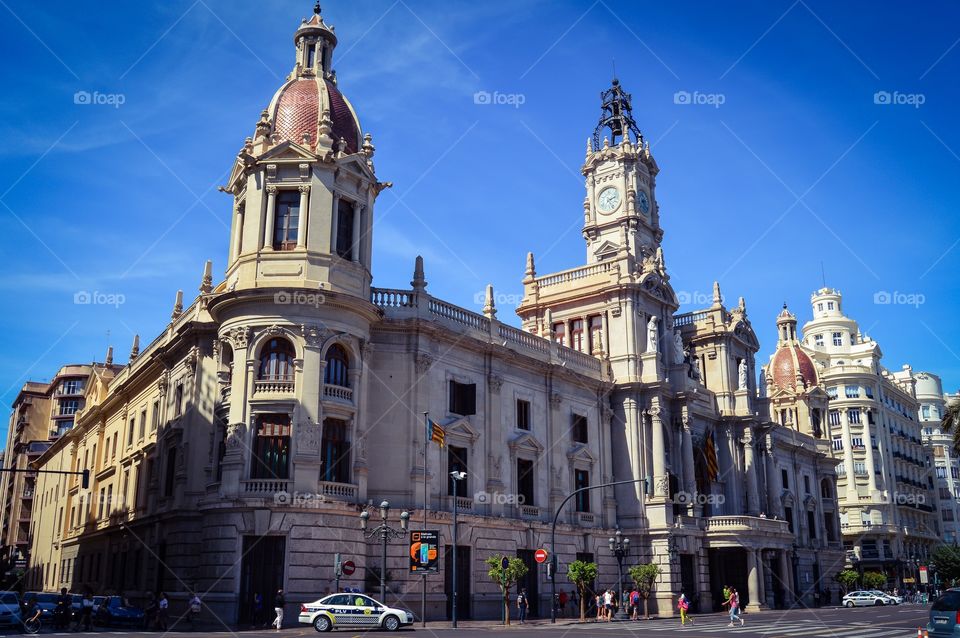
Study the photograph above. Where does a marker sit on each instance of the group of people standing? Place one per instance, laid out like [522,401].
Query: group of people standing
[279,600]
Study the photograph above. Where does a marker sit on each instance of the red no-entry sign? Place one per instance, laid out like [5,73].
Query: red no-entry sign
[348,567]
[541,555]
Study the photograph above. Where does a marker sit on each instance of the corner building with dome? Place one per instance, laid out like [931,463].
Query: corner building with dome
[233,454]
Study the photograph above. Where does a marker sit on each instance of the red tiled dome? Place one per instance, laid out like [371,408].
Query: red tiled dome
[787,361]
[299,105]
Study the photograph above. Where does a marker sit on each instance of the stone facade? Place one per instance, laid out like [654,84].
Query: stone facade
[234,453]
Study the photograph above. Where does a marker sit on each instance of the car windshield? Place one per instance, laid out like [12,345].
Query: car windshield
[7,598]
[950,601]
[338,599]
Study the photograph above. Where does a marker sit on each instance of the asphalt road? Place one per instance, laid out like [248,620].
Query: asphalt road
[865,622]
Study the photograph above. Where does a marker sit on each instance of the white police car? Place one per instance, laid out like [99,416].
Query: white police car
[352,610]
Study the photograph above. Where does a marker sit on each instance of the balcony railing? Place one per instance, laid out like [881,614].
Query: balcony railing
[274,385]
[339,491]
[464,504]
[265,487]
[746,523]
[529,511]
[337,393]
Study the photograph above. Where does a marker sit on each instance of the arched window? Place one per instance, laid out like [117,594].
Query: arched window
[276,361]
[338,367]
[825,490]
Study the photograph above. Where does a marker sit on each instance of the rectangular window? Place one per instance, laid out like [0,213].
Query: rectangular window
[811,524]
[868,390]
[829,305]
[853,415]
[523,414]
[116,437]
[576,334]
[69,406]
[578,428]
[103,498]
[925,412]
[560,332]
[463,398]
[841,470]
[818,340]
[345,214]
[456,462]
[143,423]
[71,386]
[954,472]
[820,307]
[581,479]
[837,338]
[945,494]
[286,220]
[857,443]
[834,417]
[596,334]
[178,400]
[788,514]
[806,484]
[271,448]
[948,515]
[852,391]
[525,482]
[832,392]
[170,472]
[859,468]
[785,479]
[133,425]
[837,443]
[155,419]
[335,454]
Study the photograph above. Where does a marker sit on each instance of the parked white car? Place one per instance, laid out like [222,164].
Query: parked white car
[865,599]
[889,598]
[352,610]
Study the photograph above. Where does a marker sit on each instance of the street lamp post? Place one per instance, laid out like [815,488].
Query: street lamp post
[619,547]
[457,477]
[385,532]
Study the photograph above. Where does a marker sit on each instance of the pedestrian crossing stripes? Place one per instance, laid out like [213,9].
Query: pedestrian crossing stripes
[766,629]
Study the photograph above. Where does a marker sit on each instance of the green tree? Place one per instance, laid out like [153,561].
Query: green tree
[506,578]
[581,574]
[847,579]
[874,580]
[945,559]
[644,576]
[951,422]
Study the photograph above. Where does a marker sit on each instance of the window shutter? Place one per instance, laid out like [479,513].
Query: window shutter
[470,390]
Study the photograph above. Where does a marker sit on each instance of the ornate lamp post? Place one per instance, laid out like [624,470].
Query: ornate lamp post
[385,532]
[619,547]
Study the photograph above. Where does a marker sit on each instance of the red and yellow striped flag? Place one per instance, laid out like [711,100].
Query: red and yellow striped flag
[710,456]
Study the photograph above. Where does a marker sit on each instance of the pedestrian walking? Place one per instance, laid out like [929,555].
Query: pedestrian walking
[734,602]
[193,610]
[608,599]
[562,601]
[634,604]
[86,612]
[598,601]
[61,614]
[278,602]
[163,611]
[683,604]
[522,605]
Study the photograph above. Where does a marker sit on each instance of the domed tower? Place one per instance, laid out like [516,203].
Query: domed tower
[304,184]
[795,397]
[294,311]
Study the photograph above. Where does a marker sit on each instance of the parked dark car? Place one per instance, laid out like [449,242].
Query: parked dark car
[113,611]
[945,614]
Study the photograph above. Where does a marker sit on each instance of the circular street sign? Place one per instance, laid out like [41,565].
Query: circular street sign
[347,567]
[541,556]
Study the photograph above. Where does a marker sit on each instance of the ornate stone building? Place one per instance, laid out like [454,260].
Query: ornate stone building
[233,454]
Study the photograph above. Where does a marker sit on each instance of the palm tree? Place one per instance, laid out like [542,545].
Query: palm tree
[951,422]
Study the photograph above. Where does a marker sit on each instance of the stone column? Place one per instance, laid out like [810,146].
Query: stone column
[689,466]
[237,233]
[753,579]
[750,469]
[848,459]
[304,215]
[786,578]
[336,223]
[659,453]
[868,448]
[271,215]
[357,216]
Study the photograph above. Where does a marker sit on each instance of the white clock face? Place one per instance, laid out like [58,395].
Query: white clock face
[609,200]
[644,202]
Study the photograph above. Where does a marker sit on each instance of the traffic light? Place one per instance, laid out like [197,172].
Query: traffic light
[552,567]
[85,479]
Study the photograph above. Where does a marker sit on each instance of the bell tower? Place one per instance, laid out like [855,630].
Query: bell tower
[621,218]
[304,184]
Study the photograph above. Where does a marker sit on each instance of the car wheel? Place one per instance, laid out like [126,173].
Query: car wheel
[849,603]
[322,623]
[391,623]
[878,603]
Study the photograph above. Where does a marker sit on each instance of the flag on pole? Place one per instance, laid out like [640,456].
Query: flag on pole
[710,456]
[435,433]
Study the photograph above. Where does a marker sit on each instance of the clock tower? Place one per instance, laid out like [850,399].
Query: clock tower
[621,219]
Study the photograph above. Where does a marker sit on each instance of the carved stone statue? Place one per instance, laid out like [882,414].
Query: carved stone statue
[234,435]
[652,337]
[677,347]
[742,371]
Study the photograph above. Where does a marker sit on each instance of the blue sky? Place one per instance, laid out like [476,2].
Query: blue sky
[799,165]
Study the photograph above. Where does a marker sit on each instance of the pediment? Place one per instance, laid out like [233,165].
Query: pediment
[459,427]
[525,442]
[606,249]
[357,162]
[580,452]
[288,150]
